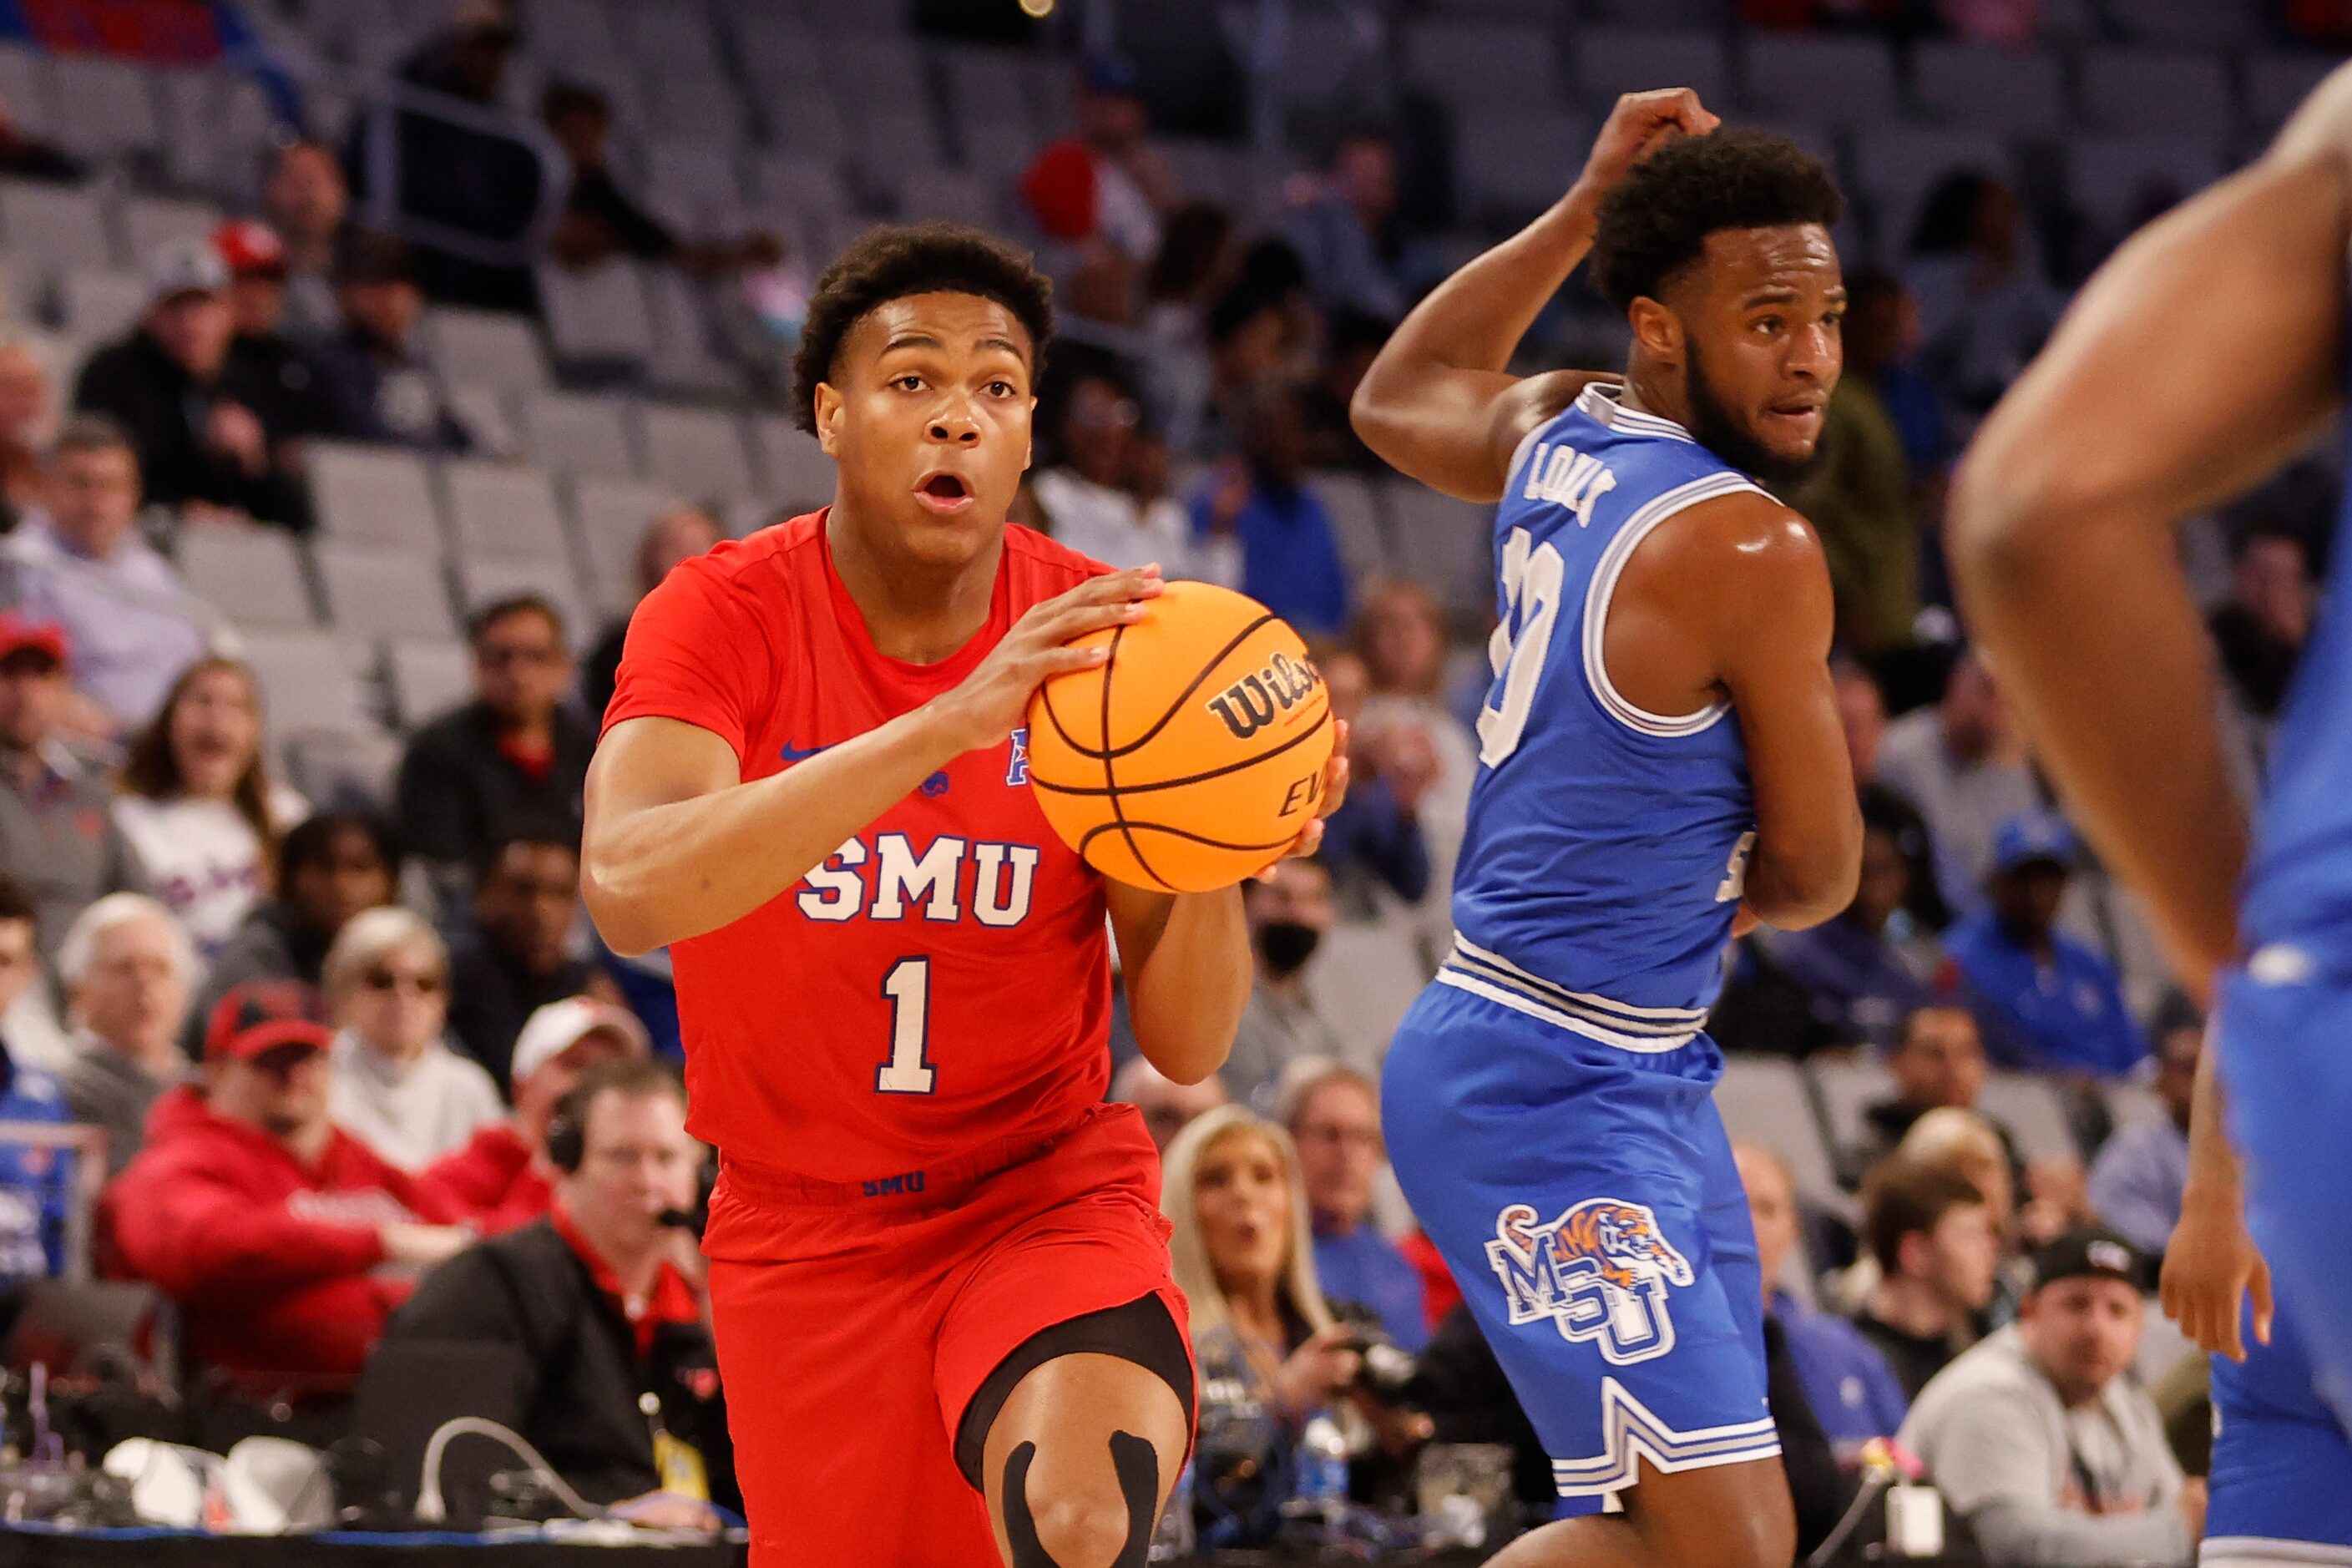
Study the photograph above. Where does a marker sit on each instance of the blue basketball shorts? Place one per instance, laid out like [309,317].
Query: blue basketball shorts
[1585,1199]
[2281,1480]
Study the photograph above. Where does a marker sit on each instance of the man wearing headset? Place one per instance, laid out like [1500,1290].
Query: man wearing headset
[614,1379]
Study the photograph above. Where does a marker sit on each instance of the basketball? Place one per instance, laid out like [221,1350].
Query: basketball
[1192,757]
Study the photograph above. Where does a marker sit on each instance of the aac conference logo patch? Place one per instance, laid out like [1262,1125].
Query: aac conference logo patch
[1599,1272]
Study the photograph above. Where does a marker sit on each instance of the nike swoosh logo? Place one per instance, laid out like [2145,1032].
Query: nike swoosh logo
[795,755]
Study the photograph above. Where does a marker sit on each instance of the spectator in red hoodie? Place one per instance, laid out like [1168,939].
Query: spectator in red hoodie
[503,1175]
[283,1241]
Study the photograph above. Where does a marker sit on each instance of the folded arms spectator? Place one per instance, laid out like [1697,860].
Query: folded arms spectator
[79,560]
[602,1304]
[283,1242]
[2040,1439]
[128,970]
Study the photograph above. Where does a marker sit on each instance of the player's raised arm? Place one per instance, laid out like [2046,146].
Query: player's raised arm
[1438,403]
[677,844]
[2199,358]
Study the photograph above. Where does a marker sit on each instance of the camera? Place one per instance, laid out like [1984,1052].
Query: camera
[1383,1370]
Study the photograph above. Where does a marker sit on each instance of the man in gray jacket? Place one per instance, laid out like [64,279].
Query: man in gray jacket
[2039,1439]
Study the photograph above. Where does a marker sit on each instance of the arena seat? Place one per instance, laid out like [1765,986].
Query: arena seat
[305,682]
[2031,1107]
[374,495]
[1980,87]
[2110,180]
[96,303]
[1845,80]
[56,226]
[794,468]
[1612,60]
[149,223]
[1764,1099]
[574,433]
[1354,506]
[2156,92]
[1510,162]
[487,348]
[373,592]
[1847,1088]
[597,318]
[696,451]
[503,511]
[609,517]
[481,583]
[1445,544]
[252,575]
[429,676]
[1366,974]
[1470,63]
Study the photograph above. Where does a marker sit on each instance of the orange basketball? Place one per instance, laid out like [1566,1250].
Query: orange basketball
[1195,755]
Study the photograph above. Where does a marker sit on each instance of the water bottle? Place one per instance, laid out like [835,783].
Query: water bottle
[1173,1539]
[1323,1466]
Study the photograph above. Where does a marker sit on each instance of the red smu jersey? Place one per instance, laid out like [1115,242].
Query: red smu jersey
[942,981]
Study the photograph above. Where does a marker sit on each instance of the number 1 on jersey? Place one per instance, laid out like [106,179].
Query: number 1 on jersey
[908,1070]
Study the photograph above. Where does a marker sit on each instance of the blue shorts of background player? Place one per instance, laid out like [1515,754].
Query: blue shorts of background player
[1585,1199]
[2281,1480]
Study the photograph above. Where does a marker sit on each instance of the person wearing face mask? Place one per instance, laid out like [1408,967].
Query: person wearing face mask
[1288,912]
[601,1307]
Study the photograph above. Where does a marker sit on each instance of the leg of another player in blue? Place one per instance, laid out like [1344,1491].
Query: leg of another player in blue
[1586,1201]
[2282,1478]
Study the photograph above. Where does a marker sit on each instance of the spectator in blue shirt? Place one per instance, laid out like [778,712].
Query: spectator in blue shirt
[1333,1113]
[1846,1381]
[1290,554]
[2137,1181]
[2040,992]
[1870,968]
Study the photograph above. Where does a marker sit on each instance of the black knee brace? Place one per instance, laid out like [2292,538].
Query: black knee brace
[1138,1465]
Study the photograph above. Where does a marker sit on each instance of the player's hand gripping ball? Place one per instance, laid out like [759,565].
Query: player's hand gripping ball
[1196,755]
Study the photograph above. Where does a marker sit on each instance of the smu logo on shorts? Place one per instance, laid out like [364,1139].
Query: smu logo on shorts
[1598,1272]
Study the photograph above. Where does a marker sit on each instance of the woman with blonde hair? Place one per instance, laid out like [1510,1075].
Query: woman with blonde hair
[195,804]
[396,1085]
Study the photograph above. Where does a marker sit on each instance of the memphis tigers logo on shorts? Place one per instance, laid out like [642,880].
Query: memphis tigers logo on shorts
[1599,1272]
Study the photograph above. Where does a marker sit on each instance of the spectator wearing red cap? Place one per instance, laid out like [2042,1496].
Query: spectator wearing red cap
[283,1241]
[271,371]
[56,836]
[168,384]
[504,1175]
[80,561]
[1104,190]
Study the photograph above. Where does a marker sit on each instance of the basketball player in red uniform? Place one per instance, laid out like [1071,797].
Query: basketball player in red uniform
[937,1269]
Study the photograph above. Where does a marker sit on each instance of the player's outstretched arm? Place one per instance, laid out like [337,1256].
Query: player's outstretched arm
[2212,1264]
[677,844]
[2203,355]
[1438,403]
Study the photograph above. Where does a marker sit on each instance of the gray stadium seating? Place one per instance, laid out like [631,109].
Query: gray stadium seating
[253,576]
[374,495]
[1846,80]
[1445,545]
[105,109]
[793,469]
[1983,88]
[505,513]
[99,302]
[574,434]
[2156,92]
[56,226]
[1613,61]
[304,682]
[610,516]
[2028,1105]
[429,677]
[1354,506]
[149,223]
[597,317]
[1764,1099]
[374,592]
[1468,63]
[696,451]
[487,348]
[1512,162]
[484,583]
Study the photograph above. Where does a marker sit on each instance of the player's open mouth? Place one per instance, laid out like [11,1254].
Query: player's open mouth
[945,493]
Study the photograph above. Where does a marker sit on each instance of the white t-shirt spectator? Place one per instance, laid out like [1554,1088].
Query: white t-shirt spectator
[1107,525]
[410,1112]
[200,858]
[132,626]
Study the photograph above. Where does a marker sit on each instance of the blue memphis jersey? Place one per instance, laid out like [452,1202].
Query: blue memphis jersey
[1607,846]
[2298,890]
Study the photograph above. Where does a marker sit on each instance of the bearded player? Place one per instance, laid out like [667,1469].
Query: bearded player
[2206,353]
[1659,760]
[939,1279]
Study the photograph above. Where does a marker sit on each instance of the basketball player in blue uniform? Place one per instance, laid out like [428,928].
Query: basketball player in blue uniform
[2209,351]
[1660,765]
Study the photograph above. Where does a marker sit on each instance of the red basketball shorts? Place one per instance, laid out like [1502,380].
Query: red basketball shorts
[853,1330]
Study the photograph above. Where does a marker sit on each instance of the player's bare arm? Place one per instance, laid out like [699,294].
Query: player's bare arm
[1439,404]
[1186,957]
[2212,1264]
[2071,493]
[1732,599]
[678,845]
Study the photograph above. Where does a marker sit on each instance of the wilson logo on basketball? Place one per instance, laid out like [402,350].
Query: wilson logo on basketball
[1250,704]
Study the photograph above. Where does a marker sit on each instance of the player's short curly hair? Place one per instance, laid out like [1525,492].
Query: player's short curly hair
[895,261]
[1657,219]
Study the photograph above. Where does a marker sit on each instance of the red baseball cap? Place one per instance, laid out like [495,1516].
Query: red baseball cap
[19,633]
[260,1016]
[250,249]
